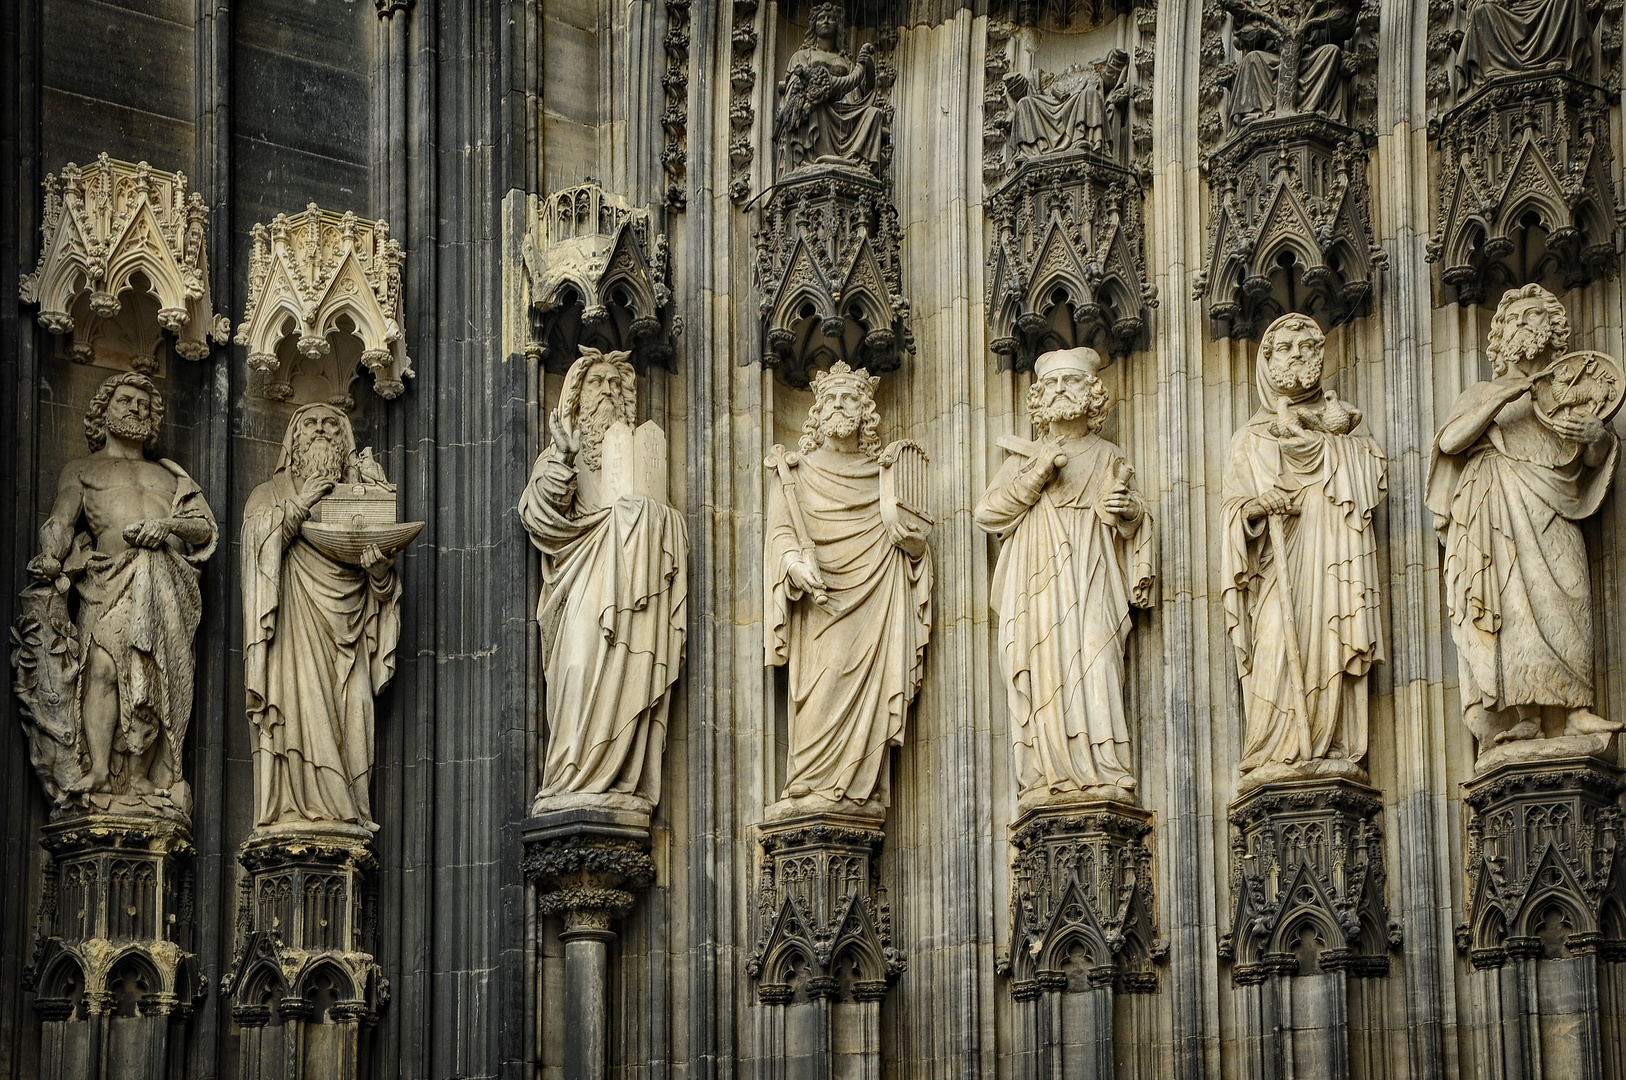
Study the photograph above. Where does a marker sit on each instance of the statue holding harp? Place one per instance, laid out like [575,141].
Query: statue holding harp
[849,584]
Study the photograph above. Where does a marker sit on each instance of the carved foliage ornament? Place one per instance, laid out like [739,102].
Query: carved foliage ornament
[1307,881]
[1519,101]
[742,116]
[597,272]
[109,224]
[675,117]
[1287,102]
[317,281]
[1083,910]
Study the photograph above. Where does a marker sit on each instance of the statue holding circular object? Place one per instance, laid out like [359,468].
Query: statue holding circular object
[1587,380]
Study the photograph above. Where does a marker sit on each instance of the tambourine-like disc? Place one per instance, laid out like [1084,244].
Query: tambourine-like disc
[1585,379]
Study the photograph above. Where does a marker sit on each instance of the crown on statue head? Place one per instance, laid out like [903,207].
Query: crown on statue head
[839,373]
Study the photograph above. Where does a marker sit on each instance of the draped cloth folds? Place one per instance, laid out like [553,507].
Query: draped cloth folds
[1515,37]
[853,665]
[614,619]
[318,643]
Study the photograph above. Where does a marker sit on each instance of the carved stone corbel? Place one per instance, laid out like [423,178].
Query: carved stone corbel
[324,299]
[109,228]
[597,273]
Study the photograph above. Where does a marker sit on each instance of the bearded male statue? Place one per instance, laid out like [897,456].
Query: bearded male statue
[108,692]
[1300,566]
[1077,552]
[614,607]
[849,600]
[1508,487]
[319,637]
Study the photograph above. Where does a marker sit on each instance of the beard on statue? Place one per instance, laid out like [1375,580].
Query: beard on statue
[316,457]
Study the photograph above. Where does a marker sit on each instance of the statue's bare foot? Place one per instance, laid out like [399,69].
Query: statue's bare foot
[1587,722]
[91,781]
[142,786]
[1524,729]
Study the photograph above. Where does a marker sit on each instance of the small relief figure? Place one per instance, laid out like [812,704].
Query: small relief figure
[1077,552]
[849,595]
[1520,461]
[829,111]
[107,689]
[614,606]
[1075,109]
[321,619]
[1524,37]
[1292,61]
[1300,566]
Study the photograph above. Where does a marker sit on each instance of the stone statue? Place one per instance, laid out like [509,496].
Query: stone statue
[849,596]
[828,111]
[1292,59]
[1074,109]
[1522,37]
[108,689]
[1507,487]
[1078,550]
[320,627]
[615,591]
[1300,566]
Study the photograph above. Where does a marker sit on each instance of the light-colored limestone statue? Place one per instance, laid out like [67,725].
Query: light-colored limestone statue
[1074,109]
[1078,550]
[321,618]
[1300,566]
[108,691]
[1509,482]
[1520,37]
[828,107]
[613,613]
[849,595]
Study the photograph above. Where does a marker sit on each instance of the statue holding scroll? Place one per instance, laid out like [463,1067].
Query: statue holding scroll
[1520,461]
[1074,109]
[1078,551]
[1300,566]
[849,595]
[615,588]
[107,689]
[321,618]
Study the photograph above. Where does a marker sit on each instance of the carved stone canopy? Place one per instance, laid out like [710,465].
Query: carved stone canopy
[324,293]
[1068,266]
[828,275]
[112,229]
[1289,227]
[1526,187]
[597,272]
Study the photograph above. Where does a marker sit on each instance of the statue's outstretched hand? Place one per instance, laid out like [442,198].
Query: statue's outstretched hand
[805,576]
[375,562]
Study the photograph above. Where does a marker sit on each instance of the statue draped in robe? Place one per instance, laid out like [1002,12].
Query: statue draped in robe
[1078,550]
[613,613]
[1300,566]
[1069,110]
[319,638]
[1508,489]
[849,606]
[1517,37]
[828,111]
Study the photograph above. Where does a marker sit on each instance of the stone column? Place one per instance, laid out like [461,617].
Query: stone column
[1083,930]
[304,987]
[1545,919]
[113,983]
[1307,876]
[588,865]
[824,957]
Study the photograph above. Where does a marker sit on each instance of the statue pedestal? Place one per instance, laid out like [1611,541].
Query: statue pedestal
[113,982]
[304,987]
[1545,919]
[1307,882]
[588,865]
[1083,930]
[824,957]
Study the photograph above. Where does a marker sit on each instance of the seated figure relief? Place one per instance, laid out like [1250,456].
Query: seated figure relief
[1295,61]
[1077,108]
[1519,37]
[108,689]
[829,107]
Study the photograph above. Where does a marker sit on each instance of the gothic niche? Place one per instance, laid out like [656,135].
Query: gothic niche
[828,274]
[324,303]
[1307,880]
[1068,265]
[124,258]
[597,273]
[1287,103]
[1519,101]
